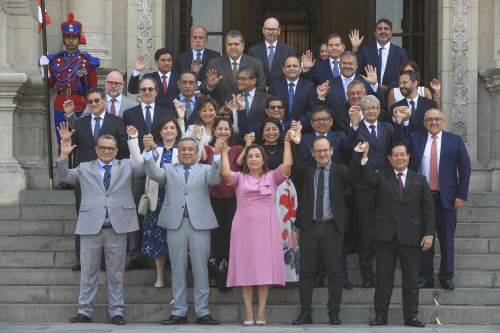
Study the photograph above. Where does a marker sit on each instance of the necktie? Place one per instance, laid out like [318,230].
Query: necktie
[379,67]
[335,70]
[247,103]
[113,107]
[320,189]
[148,118]
[189,110]
[107,176]
[235,69]
[97,128]
[270,58]
[198,58]
[186,177]
[164,81]
[346,83]
[401,187]
[373,132]
[433,172]
[412,105]
[291,95]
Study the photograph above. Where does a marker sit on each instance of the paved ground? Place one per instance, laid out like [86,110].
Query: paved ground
[153,328]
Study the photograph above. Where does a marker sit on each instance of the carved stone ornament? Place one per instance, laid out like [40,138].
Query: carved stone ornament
[460,48]
[145,30]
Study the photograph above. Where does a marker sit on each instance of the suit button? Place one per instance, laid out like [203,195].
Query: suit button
[397,217]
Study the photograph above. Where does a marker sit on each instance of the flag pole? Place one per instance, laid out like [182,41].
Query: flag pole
[47,97]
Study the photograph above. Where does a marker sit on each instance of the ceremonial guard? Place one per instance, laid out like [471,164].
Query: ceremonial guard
[72,72]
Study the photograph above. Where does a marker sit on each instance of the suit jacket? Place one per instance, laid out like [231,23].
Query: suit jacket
[454,165]
[417,118]
[321,72]
[303,100]
[339,180]
[135,118]
[183,61]
[281,52]
[342,145]
[126,104]
[337,92]
[408,217]
[195,116]
[161,98]
[227,86]
[84,139]
[118,199]
[397,55]
[195,193]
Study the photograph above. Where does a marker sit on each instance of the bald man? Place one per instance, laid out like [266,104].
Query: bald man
[272,52]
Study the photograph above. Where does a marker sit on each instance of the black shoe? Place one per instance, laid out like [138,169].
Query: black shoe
[334,319]
[207,320]
[348,284]
[76,267]
[378,321]
[367,283]
[80,318]
[447,284]
[175,320]
[414,322]
[303,318]
[422,284]
[133,264]
[118,320]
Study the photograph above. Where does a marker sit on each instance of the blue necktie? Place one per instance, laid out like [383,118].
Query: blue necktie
[107,176]
[373,132]
[97,128]
[335,70]
[320,191]
[186,177]
[198,58]
[270,58]
[148,118]
[379,67]
[247,103]
[291,95]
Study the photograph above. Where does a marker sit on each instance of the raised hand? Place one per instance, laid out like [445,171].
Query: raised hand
[149,142]
[435,85]
[307,60]
[198,132]
[140,63]
[66,148]
[213,78]
[132,132]
[371,74]
[219,146]
[294,136]
[355,115]
[362,147]
[249,139]
[195,66]
[323,89]
[232,105]
[68,106]
[355,39]
[179,107]
[240,102]
[63,130]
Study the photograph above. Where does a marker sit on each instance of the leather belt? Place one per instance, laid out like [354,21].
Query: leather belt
[435,193]
[68,92]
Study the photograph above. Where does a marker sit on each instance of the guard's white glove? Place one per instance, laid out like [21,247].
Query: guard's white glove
[44,61]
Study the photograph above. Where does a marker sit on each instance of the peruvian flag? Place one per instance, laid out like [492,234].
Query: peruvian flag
[40,19]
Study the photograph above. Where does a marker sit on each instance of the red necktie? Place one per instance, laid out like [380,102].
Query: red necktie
[401,187]
[113,107]
[164,81]
[433,167]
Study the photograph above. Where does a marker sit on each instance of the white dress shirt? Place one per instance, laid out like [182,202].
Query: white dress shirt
[152,110]
[385,54]
[425,164]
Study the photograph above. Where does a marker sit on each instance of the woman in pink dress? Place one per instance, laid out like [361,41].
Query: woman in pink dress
[256,254]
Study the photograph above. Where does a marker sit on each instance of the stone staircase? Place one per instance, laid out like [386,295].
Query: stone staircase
[36,283]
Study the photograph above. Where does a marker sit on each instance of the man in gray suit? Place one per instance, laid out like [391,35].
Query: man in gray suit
[220,82]
[107,214]
[188,217]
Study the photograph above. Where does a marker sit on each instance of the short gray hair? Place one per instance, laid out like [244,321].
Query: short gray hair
[107,137]
[187,138]
[369,100]
[235,34]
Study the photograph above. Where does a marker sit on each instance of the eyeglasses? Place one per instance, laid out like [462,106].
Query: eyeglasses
[371,108]
[275,107]
[243,78]
[147,89]
[271,29]
[113,83]
[108,149]
[355,93]
[319,120]
[431,120]
[94,101]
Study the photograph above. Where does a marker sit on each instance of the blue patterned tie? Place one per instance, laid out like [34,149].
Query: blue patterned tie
[198,58]
[291,95]
[148,118]
[97,128]
[247,103]
[271,56]
[107,176]
[186,177]
[335,70]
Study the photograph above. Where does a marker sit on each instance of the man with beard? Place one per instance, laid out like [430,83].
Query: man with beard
[71,72]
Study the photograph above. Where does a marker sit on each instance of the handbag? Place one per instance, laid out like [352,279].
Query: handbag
[143,206]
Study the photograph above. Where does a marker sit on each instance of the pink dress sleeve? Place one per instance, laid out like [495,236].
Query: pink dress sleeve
[236,179]
[278,175]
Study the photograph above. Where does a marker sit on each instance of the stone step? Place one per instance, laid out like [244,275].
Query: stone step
[361,314]
[289,295]
[479,214]
[483,199]
[146,278]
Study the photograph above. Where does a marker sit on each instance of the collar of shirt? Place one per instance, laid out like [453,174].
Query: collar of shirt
[196,52]
[327,167]
[143,106]
[102,164]
[118,98]
[319,134]
[404,172]
[347,78]
[252,93]
[415,99]
[102,115]
[183,98]
[269,44]
[385,47]
[294,82]
[332,60]
[237,60]
[166,74]
[429,136]
[367,124]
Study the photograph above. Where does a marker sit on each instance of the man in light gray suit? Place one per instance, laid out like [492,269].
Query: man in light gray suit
[107,214]
[188,217]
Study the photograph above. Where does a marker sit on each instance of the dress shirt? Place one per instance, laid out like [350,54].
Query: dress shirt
[295,85]
[92,121]
[196,52]
[231,62]
[327,209]
[367,124]
[102,170]
[345,83]
[403,177]
[118,103]
[385,54]
[415,99]
[168,78]
[267,47]
[425,165]
[152,110]
[192,101]
[251,95]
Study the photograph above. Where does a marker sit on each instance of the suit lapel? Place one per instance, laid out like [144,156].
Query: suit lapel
[409,180]
[114,174]
[96,169]
[228,69]
[180,172]
[310,176]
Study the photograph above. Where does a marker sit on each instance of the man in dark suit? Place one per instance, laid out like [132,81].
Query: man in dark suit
[187,96]
[402,225]
[220,82]
[340,112]
[164,77]
[443,159]
[380,136]
[321,220]
[196,59]
[272,53]
[275,108]
[418,105]
[384,55]
[255,100]
[327,69]
[299,94]
[145,117]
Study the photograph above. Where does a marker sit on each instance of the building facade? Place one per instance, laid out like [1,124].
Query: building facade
[457,41]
